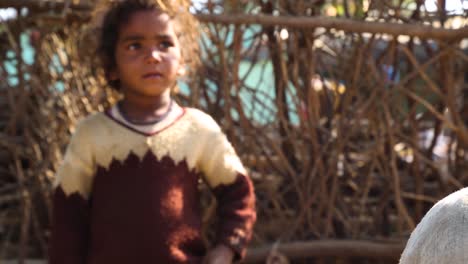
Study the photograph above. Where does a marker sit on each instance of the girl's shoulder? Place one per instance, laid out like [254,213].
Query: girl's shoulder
[92,121]
[201,120]
[90,126]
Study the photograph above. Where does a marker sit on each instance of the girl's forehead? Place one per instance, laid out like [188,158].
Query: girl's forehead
[149,20]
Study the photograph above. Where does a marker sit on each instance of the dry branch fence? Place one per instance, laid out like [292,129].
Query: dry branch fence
[350,130]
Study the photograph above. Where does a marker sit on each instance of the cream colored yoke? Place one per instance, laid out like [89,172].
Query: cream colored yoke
[195,138]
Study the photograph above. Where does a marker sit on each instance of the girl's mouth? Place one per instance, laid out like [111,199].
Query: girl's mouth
[152,75]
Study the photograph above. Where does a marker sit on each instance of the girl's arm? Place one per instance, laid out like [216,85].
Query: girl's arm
[233,189]
[69,238]
[236,212]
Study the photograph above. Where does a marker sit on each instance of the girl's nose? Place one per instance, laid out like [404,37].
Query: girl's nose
[154,56]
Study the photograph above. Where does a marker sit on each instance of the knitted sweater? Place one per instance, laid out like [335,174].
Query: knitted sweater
[123,196]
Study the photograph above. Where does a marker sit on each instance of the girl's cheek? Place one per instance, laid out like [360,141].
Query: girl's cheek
[174,60]
[132,57]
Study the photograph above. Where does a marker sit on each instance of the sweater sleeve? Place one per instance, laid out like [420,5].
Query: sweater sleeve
[233,189]
[69,231]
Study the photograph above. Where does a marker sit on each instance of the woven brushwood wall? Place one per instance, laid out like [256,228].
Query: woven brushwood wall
[352,118]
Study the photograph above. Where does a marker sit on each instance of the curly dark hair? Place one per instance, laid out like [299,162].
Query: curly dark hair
[110,15]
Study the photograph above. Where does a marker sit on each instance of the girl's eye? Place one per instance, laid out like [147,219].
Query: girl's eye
[166,44]
[134,46]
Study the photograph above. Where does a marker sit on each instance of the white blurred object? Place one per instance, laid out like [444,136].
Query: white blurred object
[442,235]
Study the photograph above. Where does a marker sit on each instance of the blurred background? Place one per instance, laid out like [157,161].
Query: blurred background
[351,116]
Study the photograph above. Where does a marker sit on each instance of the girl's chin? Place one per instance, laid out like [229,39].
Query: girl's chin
[147,91]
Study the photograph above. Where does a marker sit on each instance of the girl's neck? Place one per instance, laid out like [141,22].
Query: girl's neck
[144,109]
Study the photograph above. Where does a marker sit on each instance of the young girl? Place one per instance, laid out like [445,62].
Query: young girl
[127,190]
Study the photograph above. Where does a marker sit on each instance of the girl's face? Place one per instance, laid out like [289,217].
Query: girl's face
[147,55]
